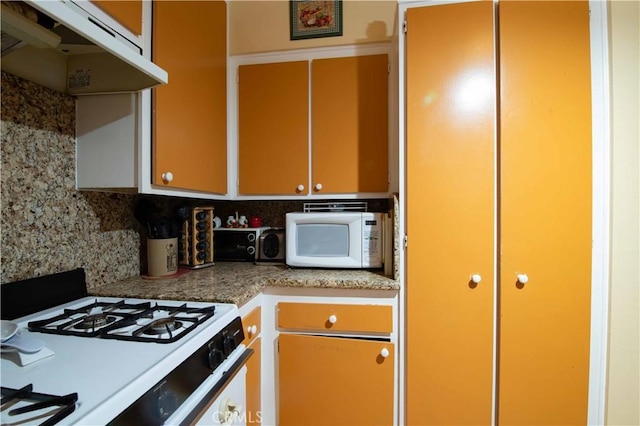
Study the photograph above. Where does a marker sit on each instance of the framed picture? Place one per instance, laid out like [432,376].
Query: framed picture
[312,19]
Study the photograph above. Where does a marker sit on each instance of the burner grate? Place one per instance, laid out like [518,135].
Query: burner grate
[139,322]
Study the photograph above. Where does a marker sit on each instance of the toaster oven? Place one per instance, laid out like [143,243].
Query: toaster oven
[236,244]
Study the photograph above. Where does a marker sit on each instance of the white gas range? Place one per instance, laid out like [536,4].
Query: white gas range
[129,361]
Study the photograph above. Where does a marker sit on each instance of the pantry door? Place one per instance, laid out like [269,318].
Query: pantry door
[545,211]
[450,169]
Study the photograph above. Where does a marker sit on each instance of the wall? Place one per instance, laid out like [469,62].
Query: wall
[624,330]
[263,26]
[48,226]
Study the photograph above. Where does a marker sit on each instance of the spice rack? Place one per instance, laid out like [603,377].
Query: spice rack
[195,248]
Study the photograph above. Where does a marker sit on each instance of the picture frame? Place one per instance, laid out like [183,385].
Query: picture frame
[313,19]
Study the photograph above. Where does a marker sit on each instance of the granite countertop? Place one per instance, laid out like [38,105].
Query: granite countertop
[239,282]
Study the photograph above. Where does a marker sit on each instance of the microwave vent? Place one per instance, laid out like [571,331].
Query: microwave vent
[343,206]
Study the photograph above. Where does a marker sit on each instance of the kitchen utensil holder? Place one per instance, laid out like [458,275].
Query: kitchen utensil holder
[195,248]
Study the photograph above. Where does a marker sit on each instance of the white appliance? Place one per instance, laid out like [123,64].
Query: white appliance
[130,361]
[62,45]
[334,239]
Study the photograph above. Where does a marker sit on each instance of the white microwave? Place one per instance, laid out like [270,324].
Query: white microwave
[334,239]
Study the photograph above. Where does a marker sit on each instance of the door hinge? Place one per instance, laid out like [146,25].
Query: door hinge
[405,241]
[404,27]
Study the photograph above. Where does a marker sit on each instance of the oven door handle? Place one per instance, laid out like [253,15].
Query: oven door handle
[217,389]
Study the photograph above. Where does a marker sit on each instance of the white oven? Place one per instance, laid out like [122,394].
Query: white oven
[127,361]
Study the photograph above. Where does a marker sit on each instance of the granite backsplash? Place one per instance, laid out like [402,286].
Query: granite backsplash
[48,226]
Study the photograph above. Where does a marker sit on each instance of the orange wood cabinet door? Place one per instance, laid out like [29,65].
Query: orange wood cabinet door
[545,204]
[334,381]
[254,404]
[349,121]
[190,112]
[252,325]
[335,317]
[273,128]
[128,13]
[450,220]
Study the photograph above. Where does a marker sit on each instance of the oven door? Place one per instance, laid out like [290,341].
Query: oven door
[229,407]
[221,398]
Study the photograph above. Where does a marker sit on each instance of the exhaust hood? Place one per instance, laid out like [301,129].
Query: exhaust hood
[59,45]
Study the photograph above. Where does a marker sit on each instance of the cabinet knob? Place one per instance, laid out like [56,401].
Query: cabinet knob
[523,278]
[300,188]
[476,278]
[252,329]
[384,352]
[333,319]
[318,186]
[167,177]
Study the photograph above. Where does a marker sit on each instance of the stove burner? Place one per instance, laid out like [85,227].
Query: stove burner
[94,321]
[162,326]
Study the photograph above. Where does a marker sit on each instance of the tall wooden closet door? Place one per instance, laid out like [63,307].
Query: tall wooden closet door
[450,221]
[545,202]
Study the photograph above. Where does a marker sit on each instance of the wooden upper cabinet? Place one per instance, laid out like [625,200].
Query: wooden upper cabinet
[350,131]
[349,136]
[190,112]
[128,13]
[273,128]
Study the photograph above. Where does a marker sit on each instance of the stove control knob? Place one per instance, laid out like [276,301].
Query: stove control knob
[229,344]
[215,357]
[166,403]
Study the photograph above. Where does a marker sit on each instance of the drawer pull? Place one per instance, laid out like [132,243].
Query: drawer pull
[523,278]
[333,319]
[384,352]
[252,329]
[476,278]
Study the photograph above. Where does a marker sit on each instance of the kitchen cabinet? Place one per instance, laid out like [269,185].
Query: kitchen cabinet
[324,317]
[499,163]
[350,131]
[348,149]
[252,325]
[273,127]
[127,13]
[189,145]
[338,379]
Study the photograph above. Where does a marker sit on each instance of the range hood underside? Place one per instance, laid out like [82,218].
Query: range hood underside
[78,56]
[89,73]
